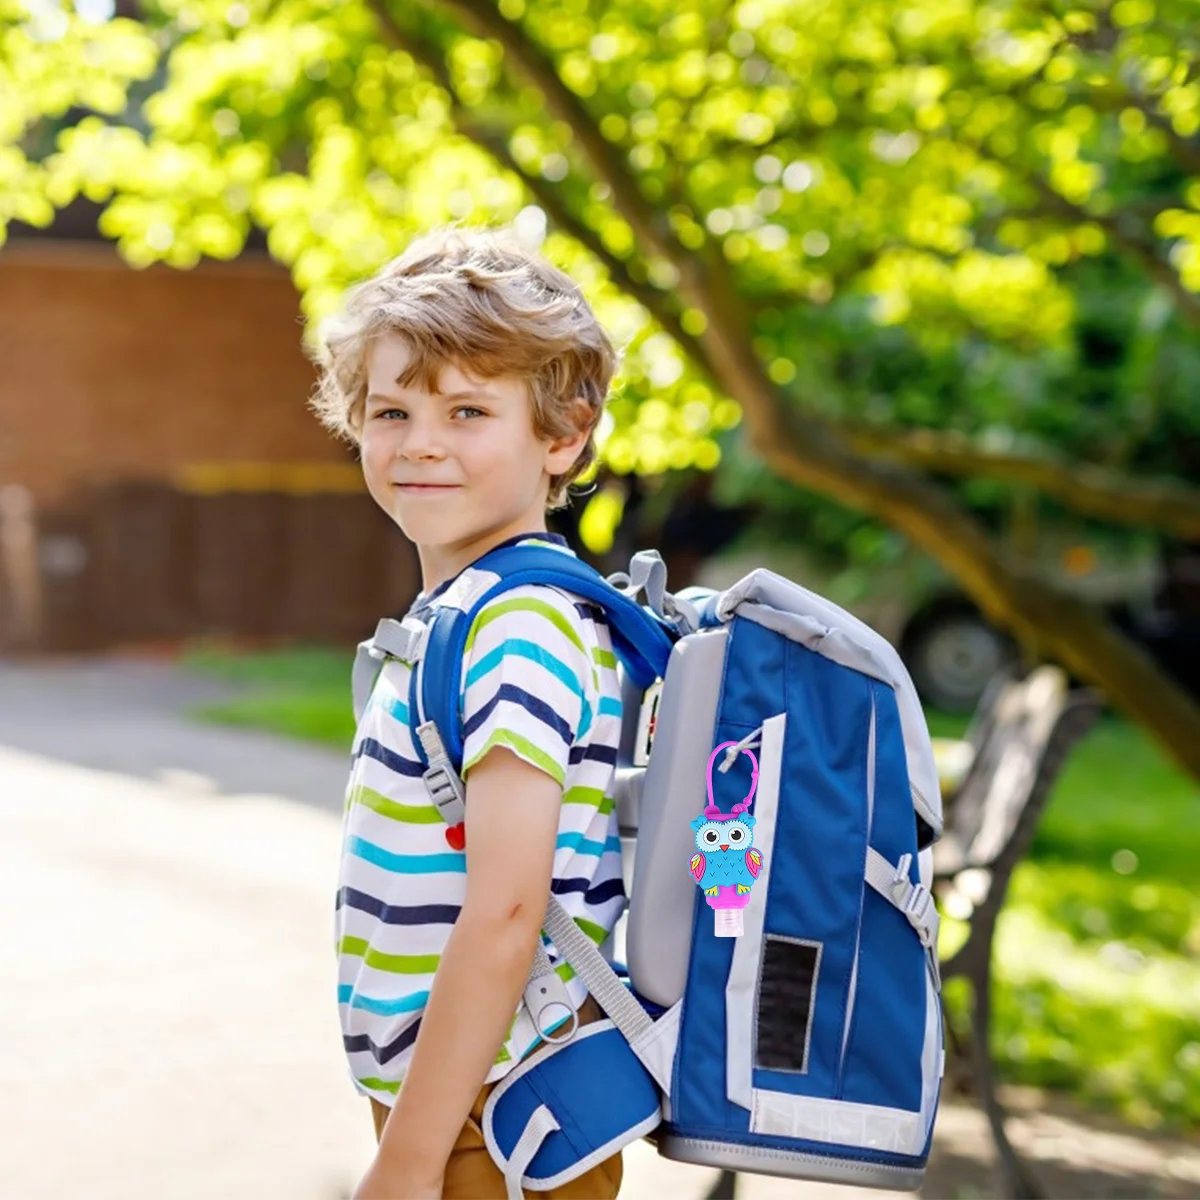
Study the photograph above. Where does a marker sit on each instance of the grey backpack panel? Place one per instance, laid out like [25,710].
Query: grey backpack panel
[659,932]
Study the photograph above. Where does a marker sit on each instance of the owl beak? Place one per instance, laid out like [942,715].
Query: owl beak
[724,847]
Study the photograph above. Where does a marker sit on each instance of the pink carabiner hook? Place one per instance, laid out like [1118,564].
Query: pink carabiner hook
[712,811]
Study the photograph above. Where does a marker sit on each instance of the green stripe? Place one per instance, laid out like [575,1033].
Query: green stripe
[380,1085]
[399,964]
[524,604]
[505,737]
[586,795]
[606,658]
[410,814]
[596,932]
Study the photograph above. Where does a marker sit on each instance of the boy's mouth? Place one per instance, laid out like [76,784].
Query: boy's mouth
[426,487]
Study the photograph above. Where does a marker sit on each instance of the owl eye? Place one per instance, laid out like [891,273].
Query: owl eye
[711,836]
[735,836]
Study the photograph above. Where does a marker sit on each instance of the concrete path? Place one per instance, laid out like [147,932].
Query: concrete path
[166,1014]
[130,716]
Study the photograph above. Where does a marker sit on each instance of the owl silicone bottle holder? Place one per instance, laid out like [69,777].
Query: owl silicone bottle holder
[727,864]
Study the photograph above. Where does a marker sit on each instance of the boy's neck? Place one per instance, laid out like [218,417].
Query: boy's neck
[441,563]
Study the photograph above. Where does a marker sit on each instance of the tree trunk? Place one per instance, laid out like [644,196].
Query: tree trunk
[1049,620]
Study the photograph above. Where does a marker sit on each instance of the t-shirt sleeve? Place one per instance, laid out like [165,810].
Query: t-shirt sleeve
[529,680]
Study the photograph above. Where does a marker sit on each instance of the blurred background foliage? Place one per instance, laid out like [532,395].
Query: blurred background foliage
[978,216]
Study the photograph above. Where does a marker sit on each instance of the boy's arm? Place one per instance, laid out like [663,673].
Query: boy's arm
[511,827]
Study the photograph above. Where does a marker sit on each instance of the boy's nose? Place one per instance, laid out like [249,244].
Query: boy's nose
[421,442]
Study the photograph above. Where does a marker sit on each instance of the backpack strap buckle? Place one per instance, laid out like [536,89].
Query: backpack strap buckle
[441,780]
[914,900]
[400,639]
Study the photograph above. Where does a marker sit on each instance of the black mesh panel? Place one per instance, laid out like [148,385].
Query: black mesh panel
[786,993]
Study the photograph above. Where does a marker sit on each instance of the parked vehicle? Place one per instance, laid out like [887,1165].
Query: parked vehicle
[952,650]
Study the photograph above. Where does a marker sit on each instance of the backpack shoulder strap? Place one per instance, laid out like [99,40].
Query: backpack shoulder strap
[640,640]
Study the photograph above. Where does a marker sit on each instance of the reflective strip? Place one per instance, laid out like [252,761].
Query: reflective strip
[858,929]
[838,1122]
[742,983]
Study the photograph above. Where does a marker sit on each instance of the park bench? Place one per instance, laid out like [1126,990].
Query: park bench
[1018,740]
[1023,732]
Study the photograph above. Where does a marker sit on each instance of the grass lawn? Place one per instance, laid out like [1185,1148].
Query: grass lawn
[1098,949]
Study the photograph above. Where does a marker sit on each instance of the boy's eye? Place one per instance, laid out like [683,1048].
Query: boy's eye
[389,413]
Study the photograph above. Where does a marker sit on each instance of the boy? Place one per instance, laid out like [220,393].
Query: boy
[472,375]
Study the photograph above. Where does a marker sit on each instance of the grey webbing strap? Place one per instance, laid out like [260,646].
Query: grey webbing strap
[598,976]
[912,899]
[541,1123]
[648,572]
[545,994]
[544,990]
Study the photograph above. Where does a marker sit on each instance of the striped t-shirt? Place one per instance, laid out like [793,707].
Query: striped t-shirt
[539,677]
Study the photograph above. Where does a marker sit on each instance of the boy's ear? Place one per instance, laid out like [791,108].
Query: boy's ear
[564,451]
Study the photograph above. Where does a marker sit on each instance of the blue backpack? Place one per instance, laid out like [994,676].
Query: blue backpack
[786,1020]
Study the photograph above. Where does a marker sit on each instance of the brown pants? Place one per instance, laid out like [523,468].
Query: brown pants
[472,1175]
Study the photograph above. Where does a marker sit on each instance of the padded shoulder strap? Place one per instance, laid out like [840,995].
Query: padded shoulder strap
[640,640]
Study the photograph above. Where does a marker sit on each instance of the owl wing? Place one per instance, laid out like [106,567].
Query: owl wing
[753,861]
[698,867]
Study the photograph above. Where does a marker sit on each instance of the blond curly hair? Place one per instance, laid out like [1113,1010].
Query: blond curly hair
[475,298]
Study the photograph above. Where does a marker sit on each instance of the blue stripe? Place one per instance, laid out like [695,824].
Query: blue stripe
[381,1008]
[597,752]
[398,914]
[531,704]
[593,612]
[394,705]
[610,707]
[610,889]
[582,846]
[407,864]
[522,648]
[370,748]
[382,1054]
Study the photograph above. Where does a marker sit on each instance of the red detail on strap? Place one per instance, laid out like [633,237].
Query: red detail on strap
[456,835]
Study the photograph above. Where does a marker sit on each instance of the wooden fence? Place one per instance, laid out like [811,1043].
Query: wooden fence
[139,562]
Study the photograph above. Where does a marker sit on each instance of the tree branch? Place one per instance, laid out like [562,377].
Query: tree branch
[496,143]
[485,20]
[806,450]
[1091,490]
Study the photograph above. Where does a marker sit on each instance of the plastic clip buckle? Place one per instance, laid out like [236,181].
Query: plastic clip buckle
[446,791]
[922,914]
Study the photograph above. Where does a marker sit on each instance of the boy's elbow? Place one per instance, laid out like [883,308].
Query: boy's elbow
[509,925]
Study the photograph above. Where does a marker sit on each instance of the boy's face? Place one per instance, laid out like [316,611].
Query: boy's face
[486,473]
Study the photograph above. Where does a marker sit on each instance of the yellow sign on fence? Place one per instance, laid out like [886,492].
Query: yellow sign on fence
[295,479]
